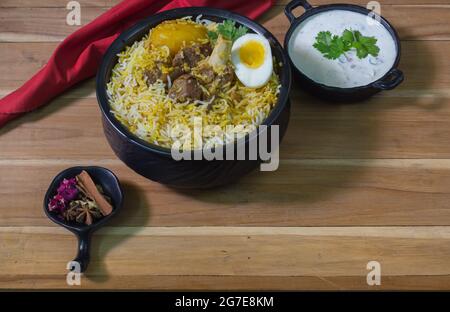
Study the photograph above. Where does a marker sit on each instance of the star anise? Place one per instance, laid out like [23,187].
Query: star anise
[83,211]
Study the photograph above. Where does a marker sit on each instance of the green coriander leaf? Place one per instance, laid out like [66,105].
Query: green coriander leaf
[373,50]
[330,46]
[348,36]
[357,35]
[348,39]
[212,35]
[240,31]
[229,31]
[368,40]
[361,50]
[337,47]
[226,29]
[323,41]
[369,44]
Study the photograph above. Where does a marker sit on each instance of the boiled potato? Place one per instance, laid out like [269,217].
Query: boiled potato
[175,34]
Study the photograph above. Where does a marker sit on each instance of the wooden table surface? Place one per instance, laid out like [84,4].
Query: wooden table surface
[356,183]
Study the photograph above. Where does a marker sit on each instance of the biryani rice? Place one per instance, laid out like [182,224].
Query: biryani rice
[149,113]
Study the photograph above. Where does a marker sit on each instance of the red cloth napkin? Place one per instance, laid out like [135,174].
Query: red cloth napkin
[80,54]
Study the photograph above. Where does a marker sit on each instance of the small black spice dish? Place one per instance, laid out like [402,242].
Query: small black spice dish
[389,81]
[111,187]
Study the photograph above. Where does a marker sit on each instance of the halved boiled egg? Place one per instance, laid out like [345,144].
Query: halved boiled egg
[251,56]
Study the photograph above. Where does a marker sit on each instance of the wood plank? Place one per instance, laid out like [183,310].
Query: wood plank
[380,128]
[413,22]
[425,64]
[22,60]
[40,24]
[109,3]
[367,132]
[305,258]
[221,283]
[299,193]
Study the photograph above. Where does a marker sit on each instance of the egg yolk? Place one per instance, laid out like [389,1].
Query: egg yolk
[252,54]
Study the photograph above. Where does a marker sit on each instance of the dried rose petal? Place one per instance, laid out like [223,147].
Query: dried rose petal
[69,194]
[68,190]
[67,183]
[57,204]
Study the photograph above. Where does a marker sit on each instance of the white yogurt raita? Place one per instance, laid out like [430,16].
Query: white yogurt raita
[348,71]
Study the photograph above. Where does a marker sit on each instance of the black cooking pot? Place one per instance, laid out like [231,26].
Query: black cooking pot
[155,162]
[389,81]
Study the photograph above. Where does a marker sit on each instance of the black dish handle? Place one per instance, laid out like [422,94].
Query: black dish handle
[84,247]
[391,80]
[293,5]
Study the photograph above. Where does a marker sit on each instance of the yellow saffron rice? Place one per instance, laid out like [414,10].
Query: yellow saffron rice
[148,112]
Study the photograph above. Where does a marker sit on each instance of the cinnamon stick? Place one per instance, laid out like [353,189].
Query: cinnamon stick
[89,187]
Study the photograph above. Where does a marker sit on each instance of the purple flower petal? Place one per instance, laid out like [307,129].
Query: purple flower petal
[57,204]
[67,189]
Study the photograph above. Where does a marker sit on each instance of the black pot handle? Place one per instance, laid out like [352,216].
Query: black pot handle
[391,80]
[293,5]
[84,247]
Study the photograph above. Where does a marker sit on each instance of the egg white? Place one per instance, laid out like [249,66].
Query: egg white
[252,77]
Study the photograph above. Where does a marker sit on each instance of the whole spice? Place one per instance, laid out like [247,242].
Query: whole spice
[80,200]
[85,182]
[83,211]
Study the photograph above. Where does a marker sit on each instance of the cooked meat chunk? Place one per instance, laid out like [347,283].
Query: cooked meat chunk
[191,55]
[236,96]
[154,74]
[178,60]
[185,88]
[176,72]
[206,49]
[205,73]
[227,76]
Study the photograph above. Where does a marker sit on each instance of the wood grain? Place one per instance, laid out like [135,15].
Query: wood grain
[49,24]
[426,67]
[299,193]
[109,3]
[55,3]
[356,182]
[381,128]
[327,257]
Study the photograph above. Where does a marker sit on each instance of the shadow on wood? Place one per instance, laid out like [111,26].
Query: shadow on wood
[135,212]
